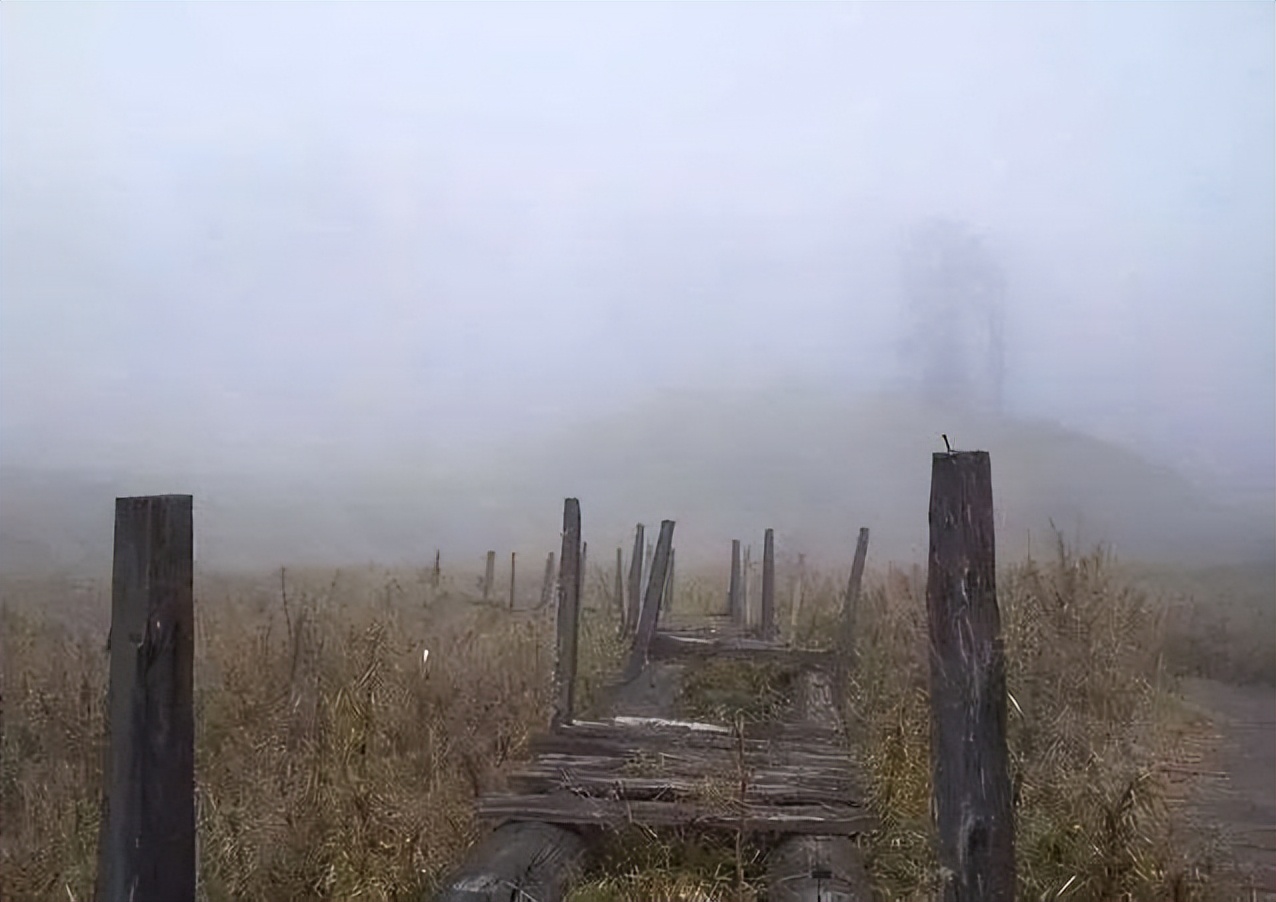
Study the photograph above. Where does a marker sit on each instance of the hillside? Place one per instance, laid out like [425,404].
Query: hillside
[812,466]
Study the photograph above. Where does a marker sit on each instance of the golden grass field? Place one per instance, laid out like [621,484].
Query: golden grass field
[334,761]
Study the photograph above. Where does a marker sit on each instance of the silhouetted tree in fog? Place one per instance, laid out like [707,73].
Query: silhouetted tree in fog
[955,291]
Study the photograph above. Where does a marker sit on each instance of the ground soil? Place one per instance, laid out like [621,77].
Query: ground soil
[1238,790]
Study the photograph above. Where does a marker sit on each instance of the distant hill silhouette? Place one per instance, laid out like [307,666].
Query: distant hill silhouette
[811,465]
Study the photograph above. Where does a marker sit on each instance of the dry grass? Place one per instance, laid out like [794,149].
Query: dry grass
[333,763]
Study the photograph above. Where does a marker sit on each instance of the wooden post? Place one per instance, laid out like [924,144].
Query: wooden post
[850,603]
[974,819]
[635,583]
[437,575]
[146,850]
[547,585]
[734,606]
[618,592]
[744,586]
[513,572]
[668,600]
[768,585]
[568,615]
[651,602]
[799,589]
[489,575]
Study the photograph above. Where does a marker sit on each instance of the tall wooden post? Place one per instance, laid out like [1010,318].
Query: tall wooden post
[735,606]
[489,575]
[635,583]
[513,573]
[768,585]
[547,584]
[146,849]
[974,820]
[568,621]
[651,602]
[851,602]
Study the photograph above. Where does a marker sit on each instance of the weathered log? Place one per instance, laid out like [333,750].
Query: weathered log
[569,808]
[817,869]
[518,861]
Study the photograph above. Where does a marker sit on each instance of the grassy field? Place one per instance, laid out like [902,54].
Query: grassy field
[336,760]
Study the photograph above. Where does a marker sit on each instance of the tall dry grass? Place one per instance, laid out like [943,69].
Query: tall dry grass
[334,762]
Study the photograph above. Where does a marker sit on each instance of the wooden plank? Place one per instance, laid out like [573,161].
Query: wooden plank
[768,586]
[518,861]
[817,869]
[569,808]
[635,583]
[651,603]
[780,791]
[672,646]
[603,740]
[147,841]
[568,621]
[973,813]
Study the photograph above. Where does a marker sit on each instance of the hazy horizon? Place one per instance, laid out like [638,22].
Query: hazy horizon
[253,238]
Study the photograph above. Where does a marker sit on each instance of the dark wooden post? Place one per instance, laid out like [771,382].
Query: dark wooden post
[146,847]
[547,585]
[513,572]
[799,589]
[437,574]
[850,603]
[734,606]
[619,591]
[635,583]
[651,602]
[668,602]
[974,820]
[768,585]
[489,575]
[568,615]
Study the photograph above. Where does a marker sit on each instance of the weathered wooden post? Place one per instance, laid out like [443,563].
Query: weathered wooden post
[635,583]
[568,621]
[768,585]
[668,601]
[851,602]
[735,606]
[513,572]
[651,603]
[547,584]
[746,570]
[489,575]
[799,589]
[437,574]
[146,850]
[974,820]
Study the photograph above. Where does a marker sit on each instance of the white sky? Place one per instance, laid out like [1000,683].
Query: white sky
[237,233]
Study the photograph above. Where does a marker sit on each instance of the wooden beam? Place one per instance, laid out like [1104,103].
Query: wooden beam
[146,847]
[651,603]
[518,861]
[768,585]
[568,616]
[972,805]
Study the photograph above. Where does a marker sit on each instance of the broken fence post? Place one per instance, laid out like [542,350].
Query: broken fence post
[568,621]
[651,603]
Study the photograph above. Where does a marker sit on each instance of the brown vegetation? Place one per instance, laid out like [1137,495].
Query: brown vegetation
[334,760]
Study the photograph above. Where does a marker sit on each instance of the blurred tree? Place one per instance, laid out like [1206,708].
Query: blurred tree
[955,292]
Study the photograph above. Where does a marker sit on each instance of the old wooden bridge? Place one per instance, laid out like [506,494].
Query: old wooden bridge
[790,781]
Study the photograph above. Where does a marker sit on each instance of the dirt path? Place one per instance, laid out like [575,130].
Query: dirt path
[1242,797]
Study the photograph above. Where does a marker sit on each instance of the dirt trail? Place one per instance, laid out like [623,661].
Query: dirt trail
[1242,798]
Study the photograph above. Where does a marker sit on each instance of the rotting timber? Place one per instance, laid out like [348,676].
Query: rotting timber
[789,781]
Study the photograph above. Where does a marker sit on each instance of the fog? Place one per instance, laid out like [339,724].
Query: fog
[272,241]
